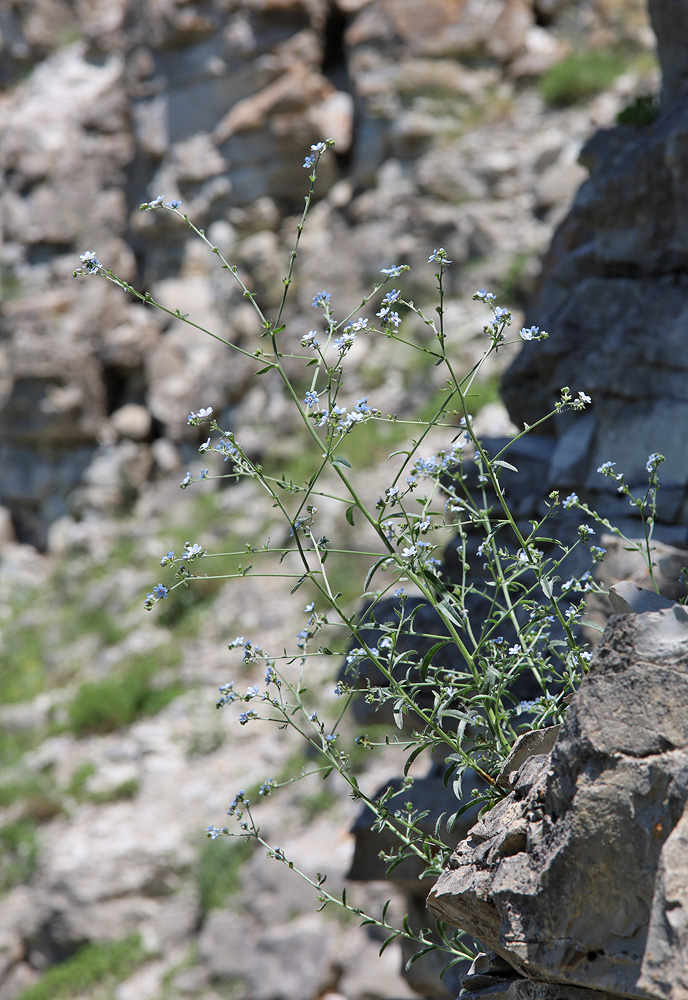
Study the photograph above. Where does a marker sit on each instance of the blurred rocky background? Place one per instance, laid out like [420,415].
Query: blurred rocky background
[460,128]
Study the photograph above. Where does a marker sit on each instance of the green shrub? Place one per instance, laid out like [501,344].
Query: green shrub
[641,113]
[22,671]
[219,868]
[18,853]
[581,75]
[93,965]
[36,792]
[105,705]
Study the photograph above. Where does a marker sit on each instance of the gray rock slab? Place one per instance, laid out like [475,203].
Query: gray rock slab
[664,971]
[559,878]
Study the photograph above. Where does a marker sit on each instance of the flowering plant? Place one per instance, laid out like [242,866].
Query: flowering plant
[501,651]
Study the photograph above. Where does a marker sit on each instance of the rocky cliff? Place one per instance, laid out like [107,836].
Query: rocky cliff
[443,138]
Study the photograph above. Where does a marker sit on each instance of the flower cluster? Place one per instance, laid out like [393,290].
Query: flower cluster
[203,415]
[90,263]
[227,695]
[159,202]
[440,256]
[158,593]
[317,149]
[533,333]
[388,317]
[569,402]
[310,340]
[430,468]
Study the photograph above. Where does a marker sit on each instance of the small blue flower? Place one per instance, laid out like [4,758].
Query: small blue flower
[147,206]
[238,641]
[318,149]
[173,204]
[252,692]
[227,694]
[309,339]
[90,262]
[344,342]
[484,296]
[653,461]
[160,591]
[439,255]
[246,717]
[167,558]
[237,802]
[321,299]
[571,500]
[271,677]
[212,832]
[188,478]
[395,271]
[311,399]
[204,413]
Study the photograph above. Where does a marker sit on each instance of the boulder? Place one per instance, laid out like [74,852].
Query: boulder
[567,873]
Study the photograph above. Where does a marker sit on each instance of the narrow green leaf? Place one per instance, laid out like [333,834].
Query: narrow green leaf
[413,755]
[344,462]
[505,465]
[373,569]
[419,954]
[350,514]
[392,937]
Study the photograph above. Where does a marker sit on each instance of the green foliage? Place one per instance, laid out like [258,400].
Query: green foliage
[219,870]
[489,644]
[18,853]
[581,75]
[94,965]
[512,288]
[78,787]
[108,704]
[182,610]
[22,658]
[640,113]
[35,791]
[317,803]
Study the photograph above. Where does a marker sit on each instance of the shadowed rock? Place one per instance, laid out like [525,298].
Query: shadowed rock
[559,877]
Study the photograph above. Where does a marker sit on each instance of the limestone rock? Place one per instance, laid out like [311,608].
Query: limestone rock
[664,971]
[614,275]
[559,877]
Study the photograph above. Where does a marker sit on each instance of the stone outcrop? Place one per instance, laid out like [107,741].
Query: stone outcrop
[612,295]
[575,877]
[107,104]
